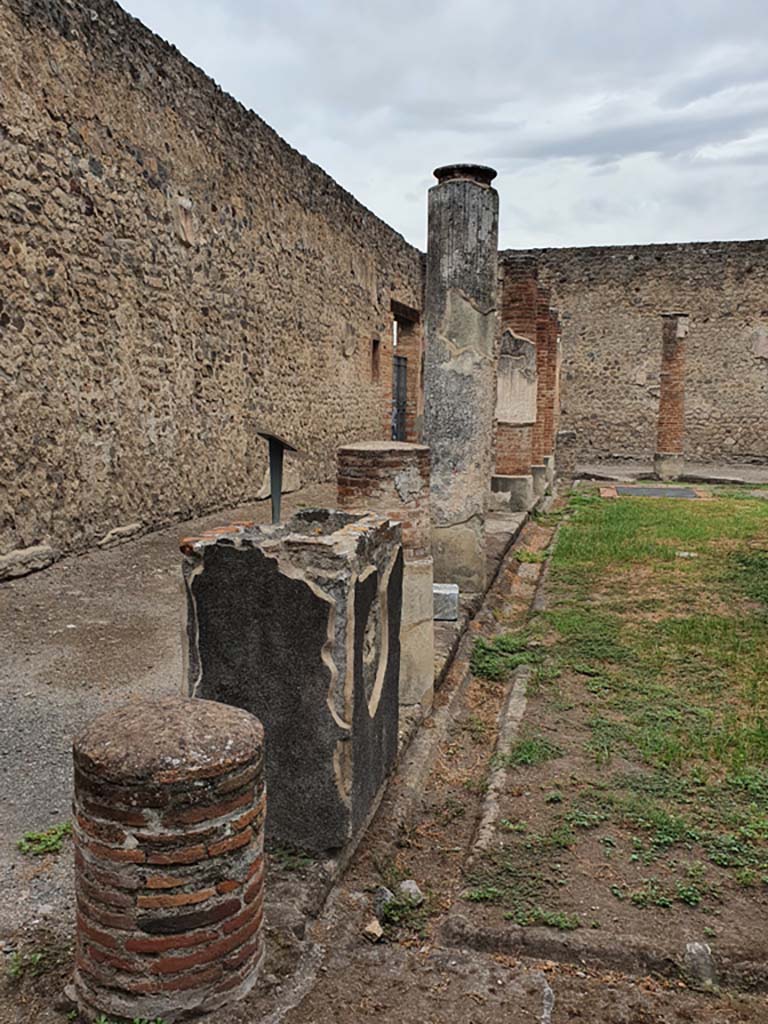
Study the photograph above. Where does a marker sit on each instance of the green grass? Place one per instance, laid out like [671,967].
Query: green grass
[23,963]
[49,841]
[136,1020]
[496,659]
[666,660]
[529,750]
[290,858]
[550,918]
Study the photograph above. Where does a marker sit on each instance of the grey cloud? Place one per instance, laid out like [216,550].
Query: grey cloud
[583,106]
[670,136]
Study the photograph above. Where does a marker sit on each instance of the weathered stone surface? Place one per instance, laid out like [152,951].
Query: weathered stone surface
[516,383]
[174,274]
[411,891]
[120,533]
[446,602]
[300,624]
[549,465]
[373,931]
[417,641]
[609,298]
[667,466]
[515,492]
[26,560]
[460,372]
[392,478]
[539,475]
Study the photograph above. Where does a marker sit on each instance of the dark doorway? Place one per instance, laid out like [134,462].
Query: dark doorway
[399,397]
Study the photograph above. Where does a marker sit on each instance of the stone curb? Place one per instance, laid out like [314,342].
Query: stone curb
[509,721]
[731,967]
[23,561]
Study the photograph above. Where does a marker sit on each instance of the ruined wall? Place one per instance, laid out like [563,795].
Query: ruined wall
[610,298]
[172,275]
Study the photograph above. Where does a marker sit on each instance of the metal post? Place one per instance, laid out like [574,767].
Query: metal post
[276,449]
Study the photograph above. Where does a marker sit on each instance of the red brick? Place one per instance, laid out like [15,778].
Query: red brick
[103,830]
[213,951]
[102,894]
[250,816]
[162,944]
[96,934]
[179,899]
[111,812]
[199,980]
[233,843]
[107,918]
[117,962]
[119,856]
[173,925]
[164,881]
[209,811]
[184,855]
[254,888]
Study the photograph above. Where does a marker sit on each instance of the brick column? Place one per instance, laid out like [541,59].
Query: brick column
[461,325]
[392,478]
[169,826]
[546,378]
[668,460]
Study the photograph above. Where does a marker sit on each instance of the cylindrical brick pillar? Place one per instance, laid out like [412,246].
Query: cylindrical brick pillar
[547,383]
[668,460]
[460,374]
[169,824]
[392,478]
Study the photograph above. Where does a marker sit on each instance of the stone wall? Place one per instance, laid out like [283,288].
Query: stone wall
[610,298]
[172,276]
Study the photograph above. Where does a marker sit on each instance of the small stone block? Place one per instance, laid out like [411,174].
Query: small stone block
[446,601]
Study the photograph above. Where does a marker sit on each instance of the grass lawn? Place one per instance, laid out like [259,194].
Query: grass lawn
[639,783]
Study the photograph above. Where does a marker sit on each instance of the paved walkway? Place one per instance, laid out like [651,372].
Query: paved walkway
[90,632]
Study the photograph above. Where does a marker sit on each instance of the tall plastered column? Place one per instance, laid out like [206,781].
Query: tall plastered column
[668,460]
[460,367]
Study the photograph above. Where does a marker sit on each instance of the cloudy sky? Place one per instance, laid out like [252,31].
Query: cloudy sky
[609,121]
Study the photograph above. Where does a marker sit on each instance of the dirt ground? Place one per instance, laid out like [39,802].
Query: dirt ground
[422,970]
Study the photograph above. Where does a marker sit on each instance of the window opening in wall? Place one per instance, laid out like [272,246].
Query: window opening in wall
[375,360]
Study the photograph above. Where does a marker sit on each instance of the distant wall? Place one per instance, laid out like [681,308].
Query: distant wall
[172,275]
[610,298]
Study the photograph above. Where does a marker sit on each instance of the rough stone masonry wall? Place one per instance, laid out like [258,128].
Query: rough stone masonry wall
[172,275]
[610,298]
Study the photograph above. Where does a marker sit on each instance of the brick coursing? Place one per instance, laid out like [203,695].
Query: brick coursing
[610,298]
[671,427]
[526,310]
[169,866]
[393,480]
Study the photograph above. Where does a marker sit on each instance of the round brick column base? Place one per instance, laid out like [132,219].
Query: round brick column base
[169,823]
